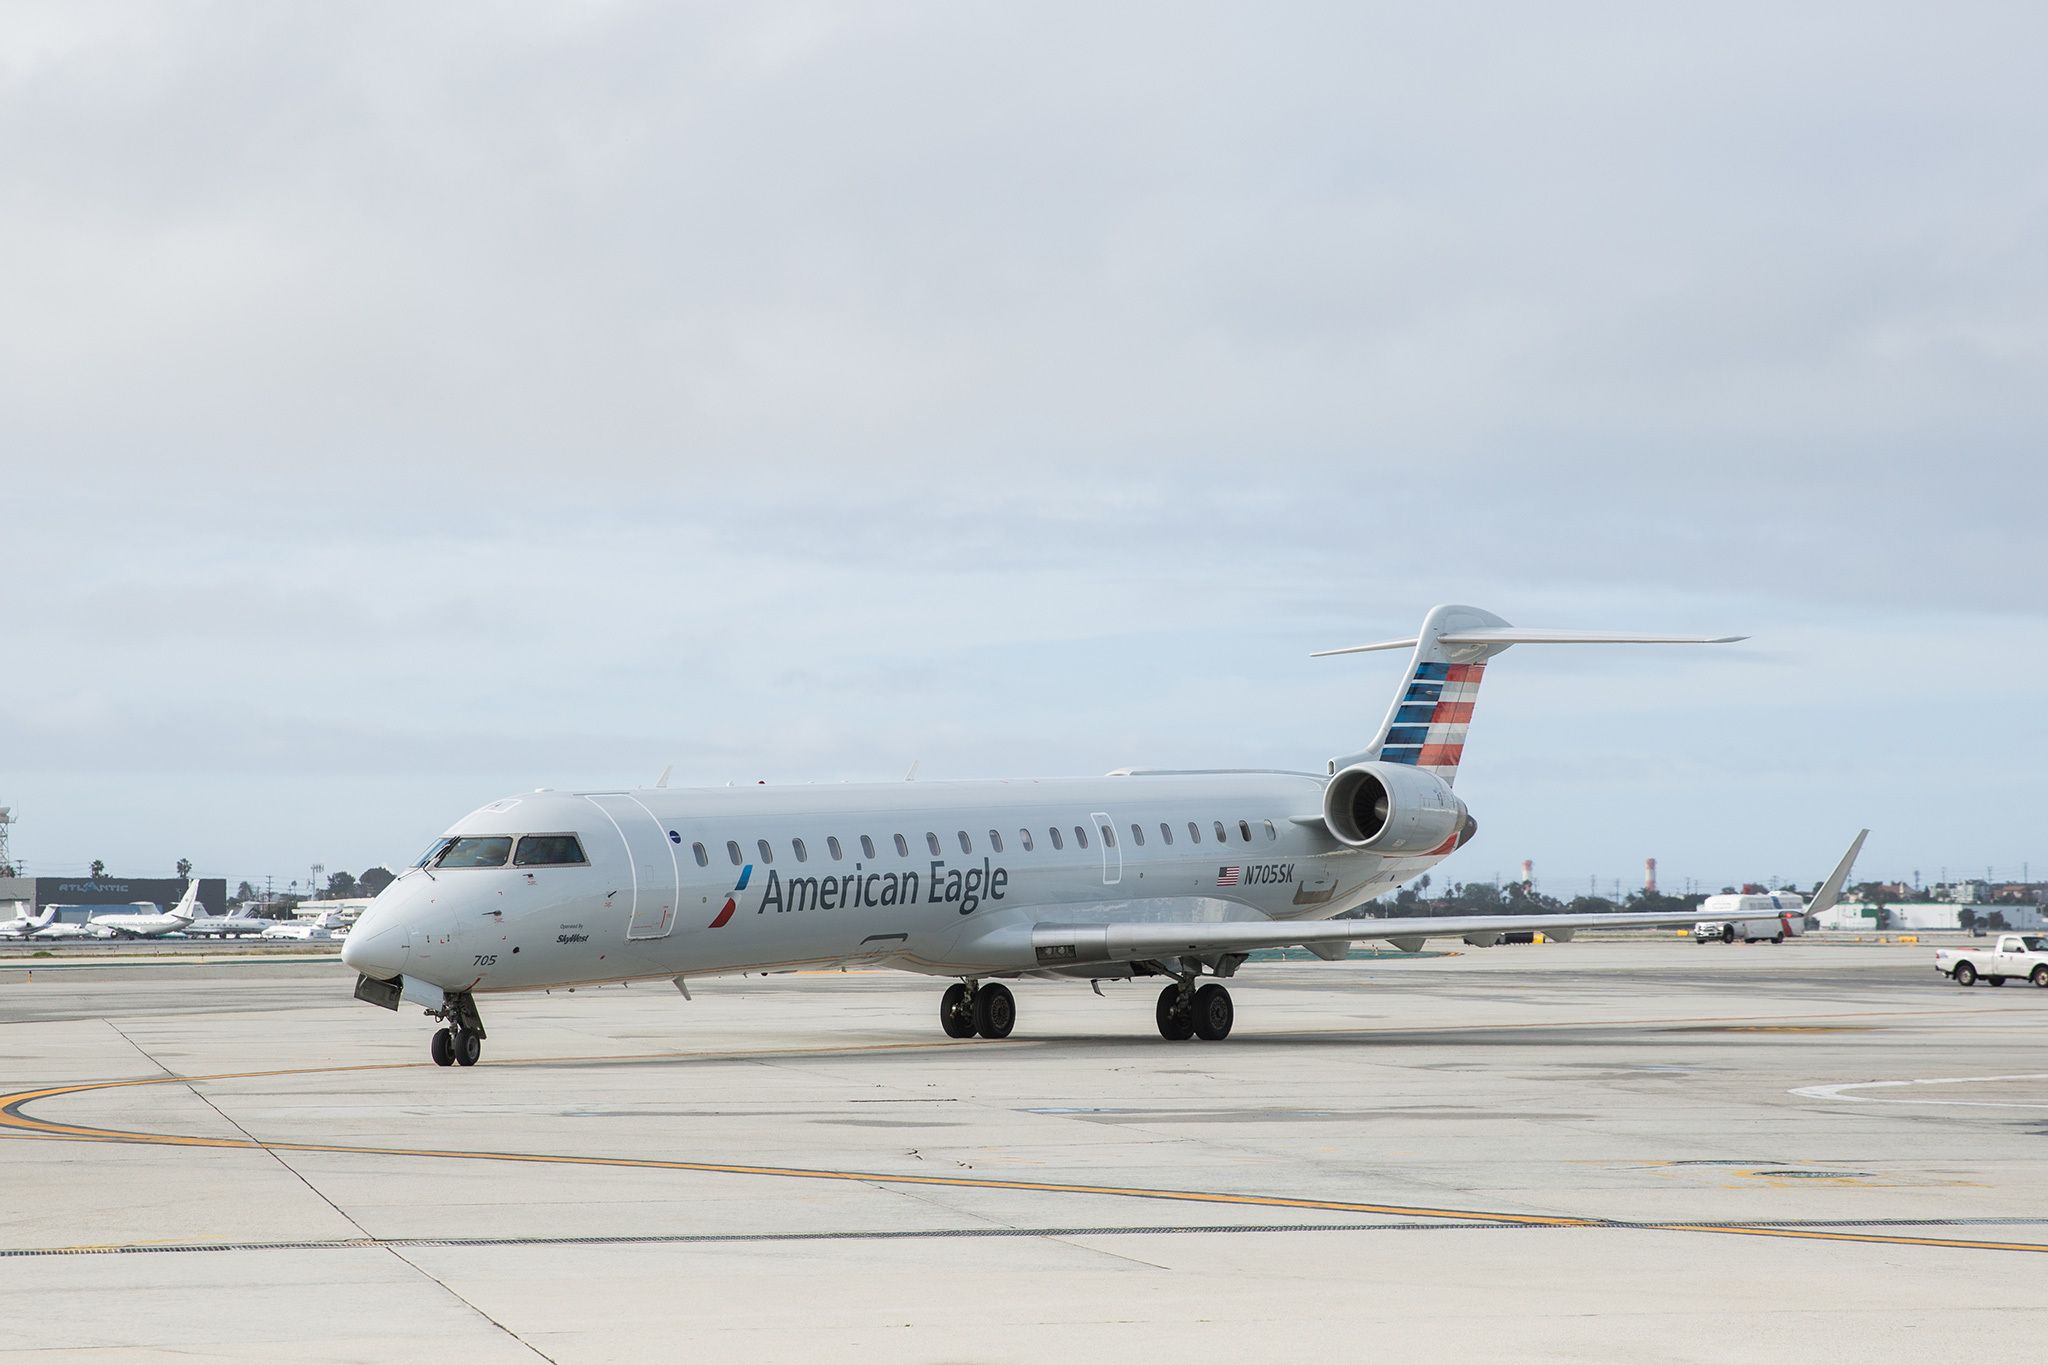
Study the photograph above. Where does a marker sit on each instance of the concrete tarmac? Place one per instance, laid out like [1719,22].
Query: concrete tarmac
[1629,1151]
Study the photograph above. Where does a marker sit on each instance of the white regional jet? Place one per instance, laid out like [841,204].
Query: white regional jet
[153,926]
[1176,875]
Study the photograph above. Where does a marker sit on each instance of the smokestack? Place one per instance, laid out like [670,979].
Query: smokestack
[1528,873]
[1649,876]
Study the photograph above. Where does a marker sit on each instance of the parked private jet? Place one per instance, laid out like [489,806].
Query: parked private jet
[322,929]
[237,923]
[1171,875]
[131,925]
[44,926]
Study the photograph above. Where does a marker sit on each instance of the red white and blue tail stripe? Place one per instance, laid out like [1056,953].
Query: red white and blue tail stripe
[1429,722]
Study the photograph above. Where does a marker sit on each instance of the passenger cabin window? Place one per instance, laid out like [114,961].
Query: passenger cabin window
[867,847]
[483,852]
[1137,835]
[1024,837]
[802,854]
[549,850]
[832,847]
[902,847]
[966,844]
[703,858]
[1080,837]
[1222,835]
[1055,833]
[995,840]
[1244,830]
[767,853]
[1166,833]
[931,841]
[1194,832]
[732,851]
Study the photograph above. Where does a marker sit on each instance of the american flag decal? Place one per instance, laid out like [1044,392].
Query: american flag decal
[1228,876]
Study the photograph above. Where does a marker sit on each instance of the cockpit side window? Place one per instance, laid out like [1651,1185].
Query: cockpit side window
[476,851]
[439,847]
[549,850]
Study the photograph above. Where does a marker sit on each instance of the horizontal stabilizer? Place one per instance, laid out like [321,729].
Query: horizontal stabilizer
[1523,635]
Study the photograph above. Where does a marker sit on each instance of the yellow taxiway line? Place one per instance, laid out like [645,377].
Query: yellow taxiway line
[15,1120]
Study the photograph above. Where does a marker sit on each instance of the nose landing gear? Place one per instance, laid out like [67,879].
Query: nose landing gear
[461,1043]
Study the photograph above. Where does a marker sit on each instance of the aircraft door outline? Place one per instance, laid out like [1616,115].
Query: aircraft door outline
[1112,851]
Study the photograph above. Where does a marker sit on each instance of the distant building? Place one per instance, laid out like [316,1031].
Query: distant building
[1860,917]
[97,895]
[350,908]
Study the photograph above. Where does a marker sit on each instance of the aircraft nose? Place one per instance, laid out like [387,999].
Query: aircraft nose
[377,947]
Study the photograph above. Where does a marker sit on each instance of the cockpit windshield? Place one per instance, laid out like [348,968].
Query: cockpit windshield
[475,851]
[548,850]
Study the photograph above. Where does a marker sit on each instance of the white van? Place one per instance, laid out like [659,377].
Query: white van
[1752,919]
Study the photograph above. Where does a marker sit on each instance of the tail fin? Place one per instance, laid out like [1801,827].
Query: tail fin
[1427,724]
[187,907]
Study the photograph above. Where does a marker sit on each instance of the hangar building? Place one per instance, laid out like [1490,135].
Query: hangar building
[28,895]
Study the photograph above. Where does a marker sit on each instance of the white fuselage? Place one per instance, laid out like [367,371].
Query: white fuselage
[978,864]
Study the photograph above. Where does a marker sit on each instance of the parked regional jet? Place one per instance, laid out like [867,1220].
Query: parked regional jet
[44,926]
[1173,875]
[153,926]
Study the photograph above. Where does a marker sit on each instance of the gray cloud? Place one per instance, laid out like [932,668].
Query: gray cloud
[454,401]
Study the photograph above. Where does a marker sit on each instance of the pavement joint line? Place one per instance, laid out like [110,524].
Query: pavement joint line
[13,1117]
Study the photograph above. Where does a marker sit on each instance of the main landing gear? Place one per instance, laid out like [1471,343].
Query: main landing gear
[1187,1011]
[965,1010]
[461,1043]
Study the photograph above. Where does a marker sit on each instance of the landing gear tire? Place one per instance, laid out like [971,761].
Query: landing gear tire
[1213,1013]
[442,1048]
[1965,974]
[1176,1024]
[1728,934]
[1778,937]
[956,1011]
[995,1011]
[468,1048]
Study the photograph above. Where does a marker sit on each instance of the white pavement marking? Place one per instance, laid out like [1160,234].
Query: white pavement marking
[1839,1092]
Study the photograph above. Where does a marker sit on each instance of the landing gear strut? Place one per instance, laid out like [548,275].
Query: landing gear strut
[1186,1011]
[965,1010]
[461,1043]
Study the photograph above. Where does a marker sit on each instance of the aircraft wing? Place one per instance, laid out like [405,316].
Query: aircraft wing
[1136,942]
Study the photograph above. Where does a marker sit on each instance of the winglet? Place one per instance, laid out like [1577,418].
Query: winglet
[1831,889]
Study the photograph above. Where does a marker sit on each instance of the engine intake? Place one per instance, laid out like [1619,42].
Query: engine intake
[1394,809]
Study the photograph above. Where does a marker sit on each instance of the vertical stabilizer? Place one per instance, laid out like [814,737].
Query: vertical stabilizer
[187,908]
[1426,726]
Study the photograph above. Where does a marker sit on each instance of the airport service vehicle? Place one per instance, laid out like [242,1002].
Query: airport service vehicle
[324,929]
[1171,876]
[2012,956]
[1753,919]
[175,921]
[45,926]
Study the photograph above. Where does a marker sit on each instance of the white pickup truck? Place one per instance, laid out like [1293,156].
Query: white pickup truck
[2014,955]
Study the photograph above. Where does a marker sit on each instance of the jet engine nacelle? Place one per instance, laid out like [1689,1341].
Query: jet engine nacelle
[1397,810]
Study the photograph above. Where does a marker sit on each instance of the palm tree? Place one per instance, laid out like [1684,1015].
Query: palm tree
[99,869]
[185,867]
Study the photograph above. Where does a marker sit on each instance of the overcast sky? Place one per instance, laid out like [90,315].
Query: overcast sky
[405,405]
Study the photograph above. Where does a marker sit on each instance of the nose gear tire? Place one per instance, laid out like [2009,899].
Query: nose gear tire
[442,1048]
